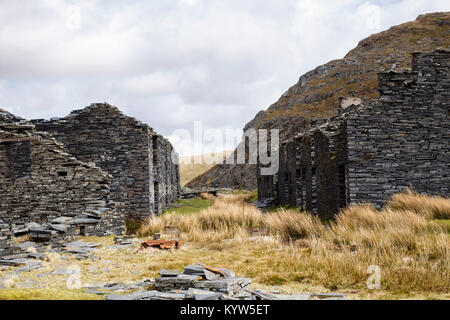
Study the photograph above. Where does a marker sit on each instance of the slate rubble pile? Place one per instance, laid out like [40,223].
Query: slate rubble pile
[28,252]
[198,282]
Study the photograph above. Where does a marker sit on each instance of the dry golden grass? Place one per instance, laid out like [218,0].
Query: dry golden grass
[291,225]
[46,294]
[207,196]
[410,248]
[228,217]
[24,238]
[295,253]
[432,207]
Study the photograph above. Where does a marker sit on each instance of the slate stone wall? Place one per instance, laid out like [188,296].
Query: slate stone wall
[40,182]
[402,140]
[144,178]
[369,152]
[5,239]
[312,170]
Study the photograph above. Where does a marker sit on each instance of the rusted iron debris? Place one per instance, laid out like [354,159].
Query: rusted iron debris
[162,244]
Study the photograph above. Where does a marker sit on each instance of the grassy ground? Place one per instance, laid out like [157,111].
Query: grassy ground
[187,206]
[46,294]
[297,251]
[444,223]
[290,251]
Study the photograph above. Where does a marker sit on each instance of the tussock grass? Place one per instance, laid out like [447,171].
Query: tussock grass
[207,196]
[228,217]
[291,225]
[410,248]
[295,252]
[431,207]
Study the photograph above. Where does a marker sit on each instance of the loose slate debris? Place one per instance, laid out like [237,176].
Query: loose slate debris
[140,286]
[328,295]
[30,267]
[43,242]
[169,273]
[162,244]
[265,203]
[123,240]
[193,284]
[5,239]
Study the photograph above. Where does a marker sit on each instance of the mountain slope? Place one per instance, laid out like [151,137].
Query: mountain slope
[191,167]
[317,92]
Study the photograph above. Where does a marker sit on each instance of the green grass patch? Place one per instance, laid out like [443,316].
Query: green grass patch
[252,195]
[188,206]
[445,223]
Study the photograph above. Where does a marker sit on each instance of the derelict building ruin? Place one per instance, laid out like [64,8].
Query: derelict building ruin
[91,169]
[369,152]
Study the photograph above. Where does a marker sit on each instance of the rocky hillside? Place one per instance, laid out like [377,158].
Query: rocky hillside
[316,94]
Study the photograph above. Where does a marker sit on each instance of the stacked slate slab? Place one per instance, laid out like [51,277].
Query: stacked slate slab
[143,165]
[371,151]
[197,282]
[197,277]
[5,239]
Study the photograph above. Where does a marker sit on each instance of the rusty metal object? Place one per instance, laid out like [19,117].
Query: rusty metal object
[162,244]
[214,270]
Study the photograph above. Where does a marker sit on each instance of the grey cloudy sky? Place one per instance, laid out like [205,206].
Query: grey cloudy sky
[172,62]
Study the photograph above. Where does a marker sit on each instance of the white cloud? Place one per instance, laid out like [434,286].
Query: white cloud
[170,63]
[369,16]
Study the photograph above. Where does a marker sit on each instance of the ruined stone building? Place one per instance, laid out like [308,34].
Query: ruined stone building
[369,152]
[91,169]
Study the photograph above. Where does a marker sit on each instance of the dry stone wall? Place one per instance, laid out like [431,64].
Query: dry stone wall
[82,174]
[5,239]
[402,140]
[144,177]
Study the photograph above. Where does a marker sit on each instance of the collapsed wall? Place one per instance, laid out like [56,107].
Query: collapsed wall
[145,179]
[369,152]
[40,183]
